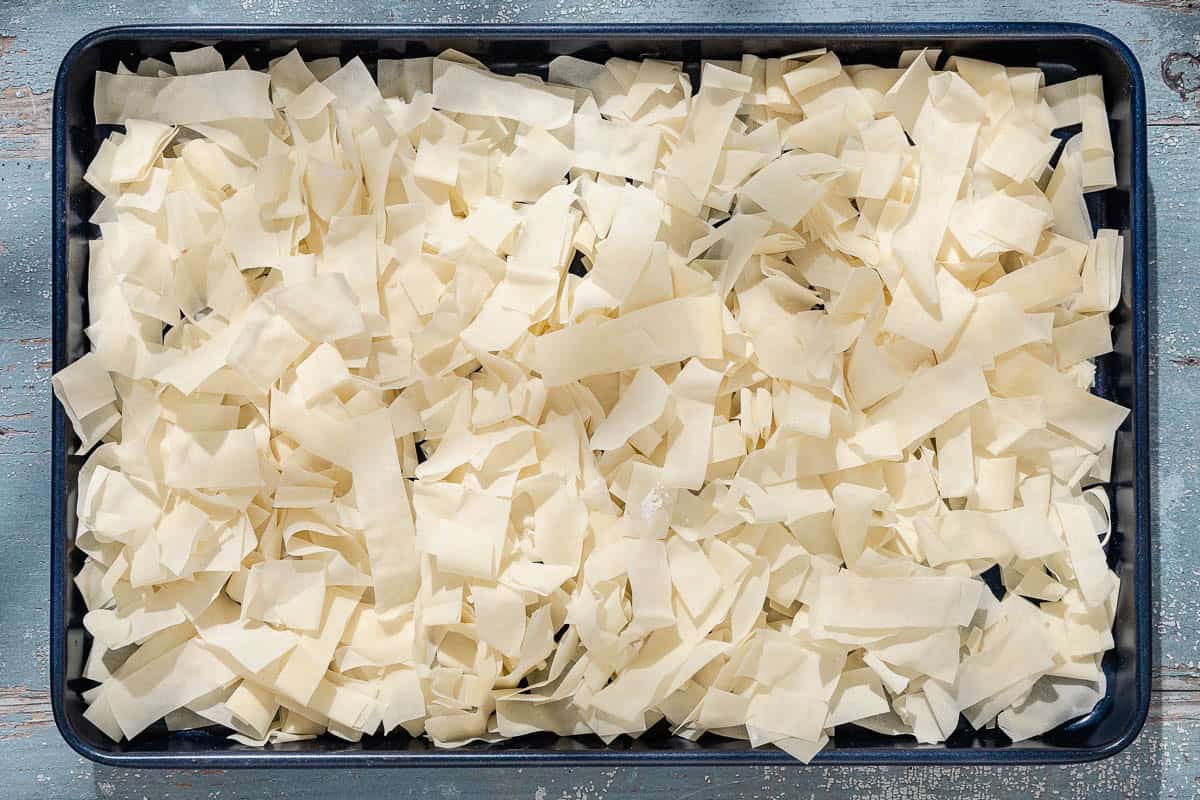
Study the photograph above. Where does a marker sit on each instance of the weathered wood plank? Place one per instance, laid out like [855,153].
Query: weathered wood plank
[1175,367]
[1158,764]
[1176,678]
[1161,32]
[24,712]
[1186,6]
[24,123]
[34,34]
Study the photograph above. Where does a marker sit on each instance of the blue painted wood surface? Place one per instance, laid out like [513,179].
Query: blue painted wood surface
[34,762]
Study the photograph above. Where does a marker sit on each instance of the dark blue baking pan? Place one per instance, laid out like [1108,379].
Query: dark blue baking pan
[1061,51]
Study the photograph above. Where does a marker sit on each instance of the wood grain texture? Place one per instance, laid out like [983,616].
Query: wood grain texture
[1156,765]
[35,763]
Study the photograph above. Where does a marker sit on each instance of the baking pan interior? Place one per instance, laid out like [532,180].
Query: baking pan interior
[1062,52]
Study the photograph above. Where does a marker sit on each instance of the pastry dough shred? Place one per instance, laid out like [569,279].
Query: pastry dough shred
[476,405]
